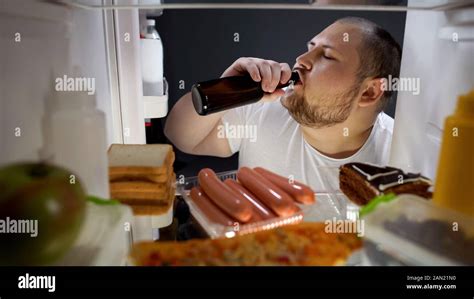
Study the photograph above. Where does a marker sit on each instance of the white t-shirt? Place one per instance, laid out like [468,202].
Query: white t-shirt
[271,138]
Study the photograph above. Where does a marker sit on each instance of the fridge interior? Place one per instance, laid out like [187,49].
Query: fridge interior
[41,40]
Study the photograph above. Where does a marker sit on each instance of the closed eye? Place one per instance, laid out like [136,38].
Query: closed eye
[328,58]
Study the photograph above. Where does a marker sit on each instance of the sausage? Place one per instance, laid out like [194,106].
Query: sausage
[274,197]
[223,196]
[213,213]
[260,211]
[300,192]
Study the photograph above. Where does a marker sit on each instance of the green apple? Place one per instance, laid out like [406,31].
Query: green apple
[42,208]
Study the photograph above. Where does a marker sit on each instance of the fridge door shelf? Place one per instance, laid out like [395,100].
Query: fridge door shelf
[145,227]
[156,106]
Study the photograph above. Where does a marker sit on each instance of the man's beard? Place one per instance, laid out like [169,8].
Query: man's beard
[320,116]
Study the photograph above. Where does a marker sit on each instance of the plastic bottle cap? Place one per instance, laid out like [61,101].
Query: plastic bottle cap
[150,22]
[465,106]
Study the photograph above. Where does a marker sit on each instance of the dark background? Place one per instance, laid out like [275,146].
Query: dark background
[199,45]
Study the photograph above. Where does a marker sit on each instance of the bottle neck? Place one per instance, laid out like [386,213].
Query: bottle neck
[465,106]
[151,32]
[295,77]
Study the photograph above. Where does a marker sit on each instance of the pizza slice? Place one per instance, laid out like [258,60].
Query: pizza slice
[305,244]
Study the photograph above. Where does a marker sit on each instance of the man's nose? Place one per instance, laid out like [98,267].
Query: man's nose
[304,61]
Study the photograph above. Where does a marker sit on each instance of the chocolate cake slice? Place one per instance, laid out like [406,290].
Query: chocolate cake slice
[361,182]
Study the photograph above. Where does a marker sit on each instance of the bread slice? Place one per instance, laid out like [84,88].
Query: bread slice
[137,176]
[140,161]
[154,210]
[137,192]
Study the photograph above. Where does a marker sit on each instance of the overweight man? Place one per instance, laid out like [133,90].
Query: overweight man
[334,116]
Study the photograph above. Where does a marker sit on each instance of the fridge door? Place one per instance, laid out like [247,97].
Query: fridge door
[41,41]
[438,52]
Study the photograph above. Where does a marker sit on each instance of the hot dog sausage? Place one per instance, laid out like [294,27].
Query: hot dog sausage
[298,191]
[212,212]
[274,197]
[259,209]
[223,196]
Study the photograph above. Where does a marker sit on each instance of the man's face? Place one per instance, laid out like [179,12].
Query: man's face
[328,73]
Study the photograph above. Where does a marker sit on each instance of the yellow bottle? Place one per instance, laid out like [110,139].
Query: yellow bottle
[454,188]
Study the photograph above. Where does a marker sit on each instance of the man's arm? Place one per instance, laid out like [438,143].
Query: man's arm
[198,135]
[193,133]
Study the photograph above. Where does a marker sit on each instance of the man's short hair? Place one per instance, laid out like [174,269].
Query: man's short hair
[379,53]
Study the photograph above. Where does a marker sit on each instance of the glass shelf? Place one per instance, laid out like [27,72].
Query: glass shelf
[363,5]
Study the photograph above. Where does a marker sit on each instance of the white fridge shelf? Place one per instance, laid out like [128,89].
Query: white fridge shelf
[431,5]
[156,106]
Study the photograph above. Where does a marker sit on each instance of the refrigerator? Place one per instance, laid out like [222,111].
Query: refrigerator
[41,39]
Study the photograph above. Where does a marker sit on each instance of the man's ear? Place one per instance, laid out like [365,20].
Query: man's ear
[372,92]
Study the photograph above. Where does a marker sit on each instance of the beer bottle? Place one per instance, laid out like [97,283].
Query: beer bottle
[229,92]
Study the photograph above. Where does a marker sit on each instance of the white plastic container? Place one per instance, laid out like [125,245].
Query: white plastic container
[76,139]
[215,230]
[152,61]
[329,205]
[104,239]
[415,232]
[147,227]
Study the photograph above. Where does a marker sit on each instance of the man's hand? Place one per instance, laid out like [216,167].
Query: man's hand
[198,135]
[269,72]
